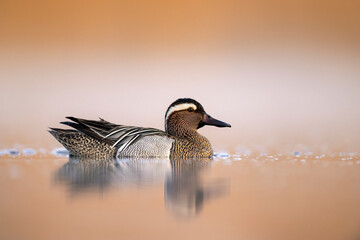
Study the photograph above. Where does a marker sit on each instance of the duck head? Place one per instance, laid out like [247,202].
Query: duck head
[186,115]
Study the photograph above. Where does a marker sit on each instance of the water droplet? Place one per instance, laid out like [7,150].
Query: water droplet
[223,155]
[29,152]
[62,152]
[296,154]
[13,152]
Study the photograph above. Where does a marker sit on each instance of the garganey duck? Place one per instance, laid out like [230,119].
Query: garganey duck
[179,140]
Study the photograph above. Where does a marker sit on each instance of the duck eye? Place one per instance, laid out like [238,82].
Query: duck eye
[190,109]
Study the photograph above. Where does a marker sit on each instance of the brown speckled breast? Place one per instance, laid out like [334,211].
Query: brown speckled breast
[196,146]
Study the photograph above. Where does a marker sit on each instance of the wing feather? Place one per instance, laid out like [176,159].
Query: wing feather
[120,136]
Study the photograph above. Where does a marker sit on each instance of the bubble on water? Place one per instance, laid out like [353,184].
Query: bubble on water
[223,155]
[343,159]
[276,159]
[296,154]
[29,152]
[61,152]
[303,160]
[13,152]
[237,159]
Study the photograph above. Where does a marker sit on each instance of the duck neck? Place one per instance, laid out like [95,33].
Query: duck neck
[181,130]
[178,131]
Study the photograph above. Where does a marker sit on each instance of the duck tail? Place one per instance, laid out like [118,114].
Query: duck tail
[64,136]
[79,144]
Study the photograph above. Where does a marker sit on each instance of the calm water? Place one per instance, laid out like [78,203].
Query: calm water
[248,195]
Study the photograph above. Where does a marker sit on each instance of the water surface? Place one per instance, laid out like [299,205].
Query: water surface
[247,195]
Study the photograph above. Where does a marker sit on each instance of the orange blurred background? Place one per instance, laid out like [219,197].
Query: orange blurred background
[281,72]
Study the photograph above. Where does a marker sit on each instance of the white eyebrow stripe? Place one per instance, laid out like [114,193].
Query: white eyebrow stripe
[179,107]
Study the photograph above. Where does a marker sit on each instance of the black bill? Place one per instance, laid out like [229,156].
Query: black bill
[208,120]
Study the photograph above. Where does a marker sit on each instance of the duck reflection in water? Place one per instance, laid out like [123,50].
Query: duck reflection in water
[185,191]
